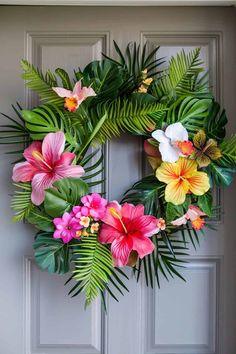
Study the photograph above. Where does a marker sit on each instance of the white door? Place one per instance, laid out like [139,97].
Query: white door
[36,315]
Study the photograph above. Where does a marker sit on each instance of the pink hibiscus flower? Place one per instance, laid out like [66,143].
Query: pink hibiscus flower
[46,163]
[127,228]
[95,204]
[74,98]
[66,227]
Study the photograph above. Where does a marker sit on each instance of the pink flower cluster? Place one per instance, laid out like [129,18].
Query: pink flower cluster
[74,224]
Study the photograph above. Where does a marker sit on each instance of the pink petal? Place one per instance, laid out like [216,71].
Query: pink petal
[194,212]
[36,146]
[40,182]
[87,92]
[77,88]
[57,234]
[109,219]
[108,234]
[131,212]
[69,171]
[23,172]
[57,221]
[53,147]
[60,91]
[142,245]
[180,221]
[66,158]
[120,250]
[145,224]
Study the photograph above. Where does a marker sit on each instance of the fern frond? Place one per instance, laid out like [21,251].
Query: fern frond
[128,115]
[181,76]
[228,150]
[21,201]
[42,84]
[93,268]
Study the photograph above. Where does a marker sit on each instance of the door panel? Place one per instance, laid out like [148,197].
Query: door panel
[196,317]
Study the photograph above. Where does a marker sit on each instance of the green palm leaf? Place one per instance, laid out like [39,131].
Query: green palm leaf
[42,84]
[93,269]
[21,201]
[192,112]
[181,76]
[162,262]
[134,115]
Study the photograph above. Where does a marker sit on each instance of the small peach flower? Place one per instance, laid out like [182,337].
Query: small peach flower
[84,221]
[94,227]
[161,224]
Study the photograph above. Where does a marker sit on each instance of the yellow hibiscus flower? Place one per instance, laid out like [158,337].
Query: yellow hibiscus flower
[181,178]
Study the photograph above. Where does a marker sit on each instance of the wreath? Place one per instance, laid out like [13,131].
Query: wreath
[151,228]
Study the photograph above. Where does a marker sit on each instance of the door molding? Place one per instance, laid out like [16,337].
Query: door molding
[121,2]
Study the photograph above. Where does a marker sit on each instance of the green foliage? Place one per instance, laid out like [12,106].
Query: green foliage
[181,77]
[105,78]
[132,63]
[93,269]
[205,203]
[66,194]
[173,211]
[42,84]
[51,254]
[21,201]
[15,132]
[147,192]
[228,150]
[192,112]
[40,220]
[162,262]
[133,115]
[220,175]
[216,122]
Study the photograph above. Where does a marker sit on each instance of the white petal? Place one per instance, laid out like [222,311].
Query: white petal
[168,152]
[160,136]
[176,132]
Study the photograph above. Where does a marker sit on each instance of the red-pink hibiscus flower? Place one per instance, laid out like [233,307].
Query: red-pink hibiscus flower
[127,228]
[46,163]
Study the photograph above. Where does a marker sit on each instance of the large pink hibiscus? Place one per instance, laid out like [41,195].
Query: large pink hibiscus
[46,163]
[127,228]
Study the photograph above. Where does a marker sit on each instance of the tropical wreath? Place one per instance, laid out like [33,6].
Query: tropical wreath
[150,229]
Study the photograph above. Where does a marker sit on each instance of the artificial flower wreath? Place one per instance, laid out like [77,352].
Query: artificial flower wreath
[183,129]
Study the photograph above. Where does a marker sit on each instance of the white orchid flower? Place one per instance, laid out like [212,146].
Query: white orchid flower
[173,142]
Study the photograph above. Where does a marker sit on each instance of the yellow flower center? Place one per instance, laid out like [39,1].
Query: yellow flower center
[118,216]
[71,103]
[38,156]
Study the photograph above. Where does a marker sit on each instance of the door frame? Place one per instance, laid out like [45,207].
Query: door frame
[121,2]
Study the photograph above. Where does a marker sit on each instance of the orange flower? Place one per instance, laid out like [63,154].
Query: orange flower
[198,223]
[186,147]
[181,178]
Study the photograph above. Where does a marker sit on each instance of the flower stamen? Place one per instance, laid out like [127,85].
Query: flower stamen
[38,156]
[118,216]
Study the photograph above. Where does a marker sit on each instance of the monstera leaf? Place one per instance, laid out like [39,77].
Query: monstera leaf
[192,112]
[66,193]
[51,254]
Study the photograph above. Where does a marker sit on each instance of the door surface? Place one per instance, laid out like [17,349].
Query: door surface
[36,315]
